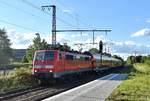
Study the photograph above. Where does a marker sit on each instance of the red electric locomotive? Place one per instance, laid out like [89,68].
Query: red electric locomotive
[55,63]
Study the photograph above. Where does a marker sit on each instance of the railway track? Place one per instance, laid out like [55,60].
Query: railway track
[44,92]
[35,95]
[10,95]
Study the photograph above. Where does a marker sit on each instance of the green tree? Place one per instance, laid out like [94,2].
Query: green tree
[118,57]
[60,47]
[93,50]
[131,60]
[5,50]
[146,59]
[38,44]
[24,59]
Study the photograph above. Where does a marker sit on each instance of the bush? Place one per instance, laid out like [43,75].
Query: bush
[20,65]
[142,67]
[17,79]
[23,76]
[24,59]
[6,83]
[146,60]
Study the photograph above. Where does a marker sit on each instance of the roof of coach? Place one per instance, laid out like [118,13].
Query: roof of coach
[77,54]
[104,57]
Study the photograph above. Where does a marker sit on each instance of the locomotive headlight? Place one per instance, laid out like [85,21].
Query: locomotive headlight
[32,71]
[35,71]
[49,66]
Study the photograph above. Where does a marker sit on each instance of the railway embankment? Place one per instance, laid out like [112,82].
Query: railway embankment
[136,87]
[19,78]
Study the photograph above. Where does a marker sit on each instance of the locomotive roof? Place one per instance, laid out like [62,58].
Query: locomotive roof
[68,52]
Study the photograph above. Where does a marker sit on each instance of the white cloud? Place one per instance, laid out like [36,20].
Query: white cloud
[123,55]
[143,32]
[62,38]
[114,46]
[79,35]
[129,43]
[88,42]
[148,20]
[121,48]
[124,48]
[123,43]
[66,10]
[19,40]
[148,46]
[23,40]
[118,43]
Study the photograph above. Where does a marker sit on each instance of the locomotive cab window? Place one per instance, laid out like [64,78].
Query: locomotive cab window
[44,55]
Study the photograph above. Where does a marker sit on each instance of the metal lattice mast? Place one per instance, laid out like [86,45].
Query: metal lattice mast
[53,22]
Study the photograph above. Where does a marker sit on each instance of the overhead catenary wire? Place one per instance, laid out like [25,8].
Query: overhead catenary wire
[39,8]
[20,26]
[36,7]
[75,14]
[74,17]
[22,10]
[63,21]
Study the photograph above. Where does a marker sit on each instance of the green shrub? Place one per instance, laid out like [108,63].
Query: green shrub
[22,76]
[147,60]
[24,59]
[6,83]
[17,79]
[20,65]
[143,68]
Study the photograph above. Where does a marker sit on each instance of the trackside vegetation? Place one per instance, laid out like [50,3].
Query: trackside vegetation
[19,78]
[5,49]
[137,86]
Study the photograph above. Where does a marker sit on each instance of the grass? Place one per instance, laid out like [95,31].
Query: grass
[143,68]
[15,65]
[136,87]
[19,78]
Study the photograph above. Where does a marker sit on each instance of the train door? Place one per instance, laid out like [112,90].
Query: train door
[62,62]
[63,58]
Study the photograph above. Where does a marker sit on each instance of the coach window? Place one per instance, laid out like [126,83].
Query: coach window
[69,57]
[60,56]
[82,58]
[87,58]
[77,57]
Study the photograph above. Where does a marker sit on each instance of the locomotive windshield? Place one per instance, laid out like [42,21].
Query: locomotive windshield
[44,55]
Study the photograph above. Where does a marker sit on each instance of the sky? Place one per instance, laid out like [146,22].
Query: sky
[129,21]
